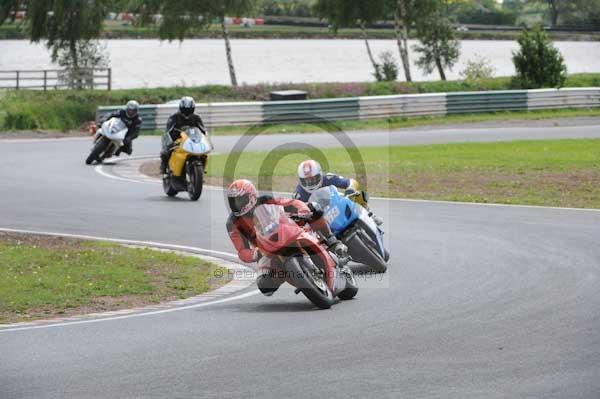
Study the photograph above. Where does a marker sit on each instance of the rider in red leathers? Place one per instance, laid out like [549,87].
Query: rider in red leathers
[243,198]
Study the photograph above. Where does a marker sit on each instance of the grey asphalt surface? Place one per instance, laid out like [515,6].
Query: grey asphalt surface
[479,301]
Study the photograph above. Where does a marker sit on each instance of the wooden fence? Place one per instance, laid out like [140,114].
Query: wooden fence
[55,79]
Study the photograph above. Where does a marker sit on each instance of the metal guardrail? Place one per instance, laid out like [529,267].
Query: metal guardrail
[55,79]
[437,104]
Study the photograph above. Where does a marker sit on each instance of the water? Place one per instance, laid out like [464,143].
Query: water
[151,63]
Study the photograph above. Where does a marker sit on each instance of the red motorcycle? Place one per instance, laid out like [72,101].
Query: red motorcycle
[299,258]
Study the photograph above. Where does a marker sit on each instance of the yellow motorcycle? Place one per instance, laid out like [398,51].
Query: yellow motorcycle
[187,164]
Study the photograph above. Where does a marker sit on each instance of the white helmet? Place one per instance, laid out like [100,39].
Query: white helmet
[310,175]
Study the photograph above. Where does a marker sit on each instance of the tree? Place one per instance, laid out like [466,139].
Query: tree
[558,8]
[180,17]
[348,13]
[438,46]
[409,13]
[221,8]
[64,23]
[401,25]
[90,54]
[538,63]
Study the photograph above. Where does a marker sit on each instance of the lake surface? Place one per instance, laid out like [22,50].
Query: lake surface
[151,63]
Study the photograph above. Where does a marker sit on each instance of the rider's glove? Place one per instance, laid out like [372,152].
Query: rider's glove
[316,210]
[257,255]
[340,249]
[350,192]
[337,247]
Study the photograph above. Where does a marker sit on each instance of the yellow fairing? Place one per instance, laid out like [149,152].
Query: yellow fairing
[178,157]
[360,198]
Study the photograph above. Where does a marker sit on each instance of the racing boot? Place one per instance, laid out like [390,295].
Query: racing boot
[267,284]
[378,221]
[164,159]
[127,148]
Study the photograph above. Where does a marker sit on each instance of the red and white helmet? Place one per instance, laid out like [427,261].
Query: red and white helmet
[310,175]
[242,196]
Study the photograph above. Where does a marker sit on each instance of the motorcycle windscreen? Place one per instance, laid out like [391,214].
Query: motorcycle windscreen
[196,143]
[322,196]
[339,211]
[274,230]
[115,129]
[266,220]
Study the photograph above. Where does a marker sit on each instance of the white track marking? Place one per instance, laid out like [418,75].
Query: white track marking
[127,316]
[130,316]
[99,169]
[557,208]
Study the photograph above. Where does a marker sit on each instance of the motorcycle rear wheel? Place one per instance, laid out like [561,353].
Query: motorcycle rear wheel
[168,187]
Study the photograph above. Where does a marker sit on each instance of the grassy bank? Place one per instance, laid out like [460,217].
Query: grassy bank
[562,173]
[66,110]
[115,30]
[43,277]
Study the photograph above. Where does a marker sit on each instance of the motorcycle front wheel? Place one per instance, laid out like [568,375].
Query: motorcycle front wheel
[310,282]
[100,147]
[361,249]
[195,179]
[351,287]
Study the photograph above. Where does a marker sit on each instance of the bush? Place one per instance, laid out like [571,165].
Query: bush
[538,63]
[478,70]
[387,70]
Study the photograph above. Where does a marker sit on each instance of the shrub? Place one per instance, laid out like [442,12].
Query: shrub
[538,63]
[387,70]
[477,70]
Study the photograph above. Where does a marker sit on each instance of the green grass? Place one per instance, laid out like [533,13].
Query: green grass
[554,173]
[48,277]
[68,110]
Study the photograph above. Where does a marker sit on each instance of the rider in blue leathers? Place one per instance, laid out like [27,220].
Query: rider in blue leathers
[311,178]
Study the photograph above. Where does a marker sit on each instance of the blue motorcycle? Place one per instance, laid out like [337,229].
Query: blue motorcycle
[352,224]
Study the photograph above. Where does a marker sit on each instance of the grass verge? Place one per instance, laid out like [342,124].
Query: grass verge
[45,277]
[67,110]
[564,173]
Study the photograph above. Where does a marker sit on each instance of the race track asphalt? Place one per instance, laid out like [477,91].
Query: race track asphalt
[479,301]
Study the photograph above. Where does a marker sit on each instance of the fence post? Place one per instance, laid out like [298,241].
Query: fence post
[18,73]
[109,78]
[45,79]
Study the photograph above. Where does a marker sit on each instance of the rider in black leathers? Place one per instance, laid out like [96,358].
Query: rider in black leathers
[177,121]
[129,115]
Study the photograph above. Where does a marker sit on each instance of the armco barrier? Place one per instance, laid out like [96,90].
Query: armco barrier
[404,105]
[252,113]
[461,103]
[311,111]
[568,98]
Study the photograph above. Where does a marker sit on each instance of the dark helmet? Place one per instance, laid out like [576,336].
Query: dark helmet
[132,108]
[187,105]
